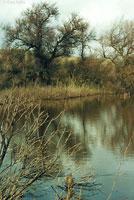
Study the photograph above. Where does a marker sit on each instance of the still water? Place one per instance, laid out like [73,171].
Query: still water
[104,126]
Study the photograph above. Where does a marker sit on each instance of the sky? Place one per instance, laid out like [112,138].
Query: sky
[99,13]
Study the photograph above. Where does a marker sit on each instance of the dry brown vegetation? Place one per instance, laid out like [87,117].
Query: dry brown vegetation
[38,93]
[44,56]
[28,155]
[28,152]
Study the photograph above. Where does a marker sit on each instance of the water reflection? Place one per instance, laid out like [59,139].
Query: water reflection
[103,126]
[107,121]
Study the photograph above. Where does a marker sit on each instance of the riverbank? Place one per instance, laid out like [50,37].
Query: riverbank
[38,93]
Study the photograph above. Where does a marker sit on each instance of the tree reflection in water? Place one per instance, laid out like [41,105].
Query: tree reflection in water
[103,126]
[100,126]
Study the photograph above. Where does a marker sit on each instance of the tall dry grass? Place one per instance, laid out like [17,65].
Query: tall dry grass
[50,92]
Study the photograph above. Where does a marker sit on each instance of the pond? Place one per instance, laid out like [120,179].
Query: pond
[105,128]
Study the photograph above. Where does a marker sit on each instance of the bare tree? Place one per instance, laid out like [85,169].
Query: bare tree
[85,39]
[118,43]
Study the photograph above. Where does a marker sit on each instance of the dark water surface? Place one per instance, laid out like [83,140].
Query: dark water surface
[104,126]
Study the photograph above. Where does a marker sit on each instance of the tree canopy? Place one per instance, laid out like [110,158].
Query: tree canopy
[35,30]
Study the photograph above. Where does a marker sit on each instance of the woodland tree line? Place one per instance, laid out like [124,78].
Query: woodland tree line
[38,50]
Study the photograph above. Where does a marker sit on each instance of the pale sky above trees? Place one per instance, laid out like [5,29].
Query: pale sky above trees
[100,13]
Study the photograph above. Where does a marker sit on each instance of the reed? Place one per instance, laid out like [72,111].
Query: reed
[50,92]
